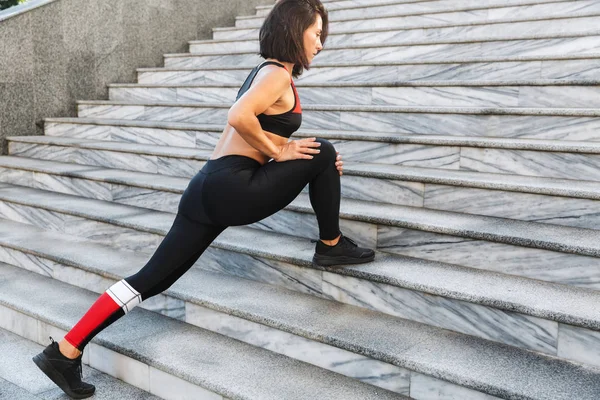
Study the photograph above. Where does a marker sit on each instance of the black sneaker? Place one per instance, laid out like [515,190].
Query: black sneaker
[346,251]
[65,372]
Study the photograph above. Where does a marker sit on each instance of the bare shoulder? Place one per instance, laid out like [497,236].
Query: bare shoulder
[272,75]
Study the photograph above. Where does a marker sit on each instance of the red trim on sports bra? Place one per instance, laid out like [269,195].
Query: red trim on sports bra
[297,107]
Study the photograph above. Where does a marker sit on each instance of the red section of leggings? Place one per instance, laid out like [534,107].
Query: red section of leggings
[100,311]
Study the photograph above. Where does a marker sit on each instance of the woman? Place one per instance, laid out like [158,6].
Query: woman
[237,186]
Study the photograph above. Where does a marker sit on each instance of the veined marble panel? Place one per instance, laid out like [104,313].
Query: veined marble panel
[121,367]
[16,176]
[82,156]
[579,344]
[235,46]
[461,32]
[34,216]
[409,21]
[200,115]
[472,319]
[450,96]
[207,140]
[314,119]
[251,33]
[82,278]
[171,77]
[426,387]
[543,47]
[208,95]
[545,265]
[387,18]
[560,96]
[273,272]
[571,69]
[537,10]
[18,323]
[153,199]
[350,74]
[26,261]
[405,8]
[215,61]
[533,163]
[142,94]
[350,364]
[107,111]
[403,53]
[541,127]
[166,305]
[305,225]
[225,76]
[413,123]
[582,213]
[158,136]
[470,71]
[179,166]
[336,95]
[96,132]
[76,186]
[399,154]
[113,235]
[382,190]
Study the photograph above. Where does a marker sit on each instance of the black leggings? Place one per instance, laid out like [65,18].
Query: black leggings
[229,191]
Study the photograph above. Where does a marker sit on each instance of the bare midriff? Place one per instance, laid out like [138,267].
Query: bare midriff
[231,142]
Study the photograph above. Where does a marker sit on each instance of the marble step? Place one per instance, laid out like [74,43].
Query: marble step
[580,43]
[531,123]
[169,357]
[537,250]
[542,158]
[205,294]
[550,159]
[11,391]
[442,11]
[176,134]
[558,201]
[470,93]
[28,382]
[550,67]
[583,8]
[563,25]
[339,8]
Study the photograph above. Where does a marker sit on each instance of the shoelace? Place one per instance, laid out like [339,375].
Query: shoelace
[77,362]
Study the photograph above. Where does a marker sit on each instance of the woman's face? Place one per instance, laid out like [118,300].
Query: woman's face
[312,39]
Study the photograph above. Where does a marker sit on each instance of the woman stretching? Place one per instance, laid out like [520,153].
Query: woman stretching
[266,112]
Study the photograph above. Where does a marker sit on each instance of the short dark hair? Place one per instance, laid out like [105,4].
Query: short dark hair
[282,33]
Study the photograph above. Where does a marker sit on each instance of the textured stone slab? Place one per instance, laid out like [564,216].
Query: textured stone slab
[28,382]
[553,66]
[540,123]
[473,31]
[411,343]
[148,340]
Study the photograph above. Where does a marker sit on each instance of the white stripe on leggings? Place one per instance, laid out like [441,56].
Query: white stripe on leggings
[124,295]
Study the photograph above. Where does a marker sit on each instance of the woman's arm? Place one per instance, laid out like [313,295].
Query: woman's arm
[266,89]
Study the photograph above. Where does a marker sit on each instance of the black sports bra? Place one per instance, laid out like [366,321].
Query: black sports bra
[280,124]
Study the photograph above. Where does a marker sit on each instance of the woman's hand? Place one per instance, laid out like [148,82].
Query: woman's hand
[298,149]
[339,164]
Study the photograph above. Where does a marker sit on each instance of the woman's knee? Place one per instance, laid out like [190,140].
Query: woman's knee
[328,153]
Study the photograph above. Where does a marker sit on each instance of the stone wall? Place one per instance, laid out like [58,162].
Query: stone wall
[53,53]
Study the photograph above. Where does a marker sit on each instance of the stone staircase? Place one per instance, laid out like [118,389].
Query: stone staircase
[469,131]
